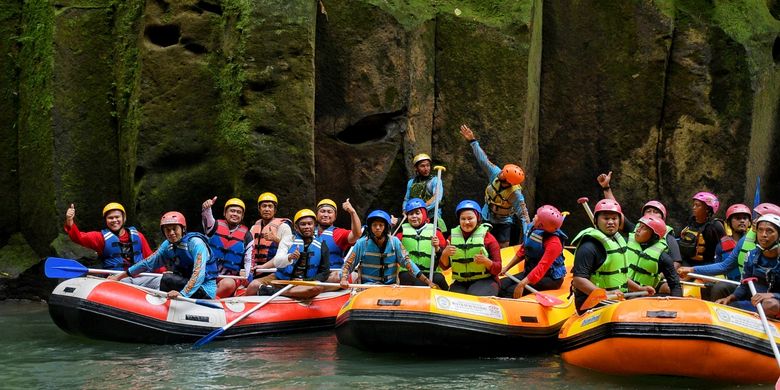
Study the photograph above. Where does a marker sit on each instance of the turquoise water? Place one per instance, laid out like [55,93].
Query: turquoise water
[35,353]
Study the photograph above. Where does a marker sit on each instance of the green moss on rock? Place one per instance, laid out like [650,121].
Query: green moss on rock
[16,256]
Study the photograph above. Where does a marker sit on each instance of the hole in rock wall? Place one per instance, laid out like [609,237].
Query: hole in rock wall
[264,130]
[164,36]
[193,47]
[164,6]
[774,8]
[373,128]
[776,51]
[206,6]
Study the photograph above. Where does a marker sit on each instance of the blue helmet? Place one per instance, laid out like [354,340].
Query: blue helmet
[467,204]
[378,214]
[414,204]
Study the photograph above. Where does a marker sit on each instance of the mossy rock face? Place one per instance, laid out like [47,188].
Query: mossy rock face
[10,17]
[481,80]
[62,246]
[603,71]
[16,256]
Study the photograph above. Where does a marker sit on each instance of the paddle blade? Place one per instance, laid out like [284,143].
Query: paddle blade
[59,268]
[594,298]
[547,300]
[207,339]
[207,304]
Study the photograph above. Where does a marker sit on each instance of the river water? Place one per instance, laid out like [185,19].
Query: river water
[35,353]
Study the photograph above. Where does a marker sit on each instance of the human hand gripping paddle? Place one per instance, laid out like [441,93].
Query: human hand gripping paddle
[59,268]
[770,335]
[598,295]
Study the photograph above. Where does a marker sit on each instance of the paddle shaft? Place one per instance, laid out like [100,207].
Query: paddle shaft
[765,323]
[435,219]
[113,272]
[584,202]
[256,308]
[163,294]
[712,278]
[326,284]
[397,228]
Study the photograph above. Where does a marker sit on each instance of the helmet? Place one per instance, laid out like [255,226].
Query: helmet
[709,199]
[655,204]
[113,206]
[327,202]
[767,208]
[657,225]
[771,218]
[738,208]
[267,197]
[608,205]
[420,157]
[414,204]
[303,213]
[513,174]
[467,205]
[173,218]
[378,214]
[235,202]
[548,218]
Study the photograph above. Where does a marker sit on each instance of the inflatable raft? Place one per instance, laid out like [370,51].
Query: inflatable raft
[672,336]
[434,321]
[108,310]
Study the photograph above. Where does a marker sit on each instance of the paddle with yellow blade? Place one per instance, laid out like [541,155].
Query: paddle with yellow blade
[598,295]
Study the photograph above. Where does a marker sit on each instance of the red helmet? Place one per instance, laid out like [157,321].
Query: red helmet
[657,205]
[513,174]
[548,218]
[709,199]
[657,225]
[738,208]
[767,208]
[173,218]
[608,205]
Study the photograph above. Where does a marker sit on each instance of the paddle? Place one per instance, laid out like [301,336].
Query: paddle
[59,268]
[598,295]
[397,227]
[543,299]
[211,336]
[584,202]
[711,278]
[438,169]
[756,198]
[325,284]
[764,322]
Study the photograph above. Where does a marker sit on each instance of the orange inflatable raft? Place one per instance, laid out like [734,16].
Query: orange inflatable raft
[672,336]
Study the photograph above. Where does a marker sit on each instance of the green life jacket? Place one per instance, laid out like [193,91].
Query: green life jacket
[418,245]
[497,199]
[464,268]
[613,274]
[747,245]
[643,263]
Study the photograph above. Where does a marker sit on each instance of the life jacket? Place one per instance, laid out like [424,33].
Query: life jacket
[692,244]
[766,270]
[613,273]
[265,250]
[419,246]
[119,256]
[307,263]
[497,199]
[227,247]
[419,188]
[534,249]
[643,263]
[379,266]
[180,260]
[748,244]
[335,254]
[464,268]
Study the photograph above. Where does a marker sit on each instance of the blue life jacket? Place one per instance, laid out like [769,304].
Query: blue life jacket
[767,271]
[335,255]
[379,266]
[227,248]
[309,259]
[120,256]
[534,250]
[180,261]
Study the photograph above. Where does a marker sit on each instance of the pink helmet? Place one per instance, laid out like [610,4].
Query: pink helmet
[738,208]
[655,204]
[608,205]
[767,208]
[657,225]
[173,218]
[548,218]
[709,199]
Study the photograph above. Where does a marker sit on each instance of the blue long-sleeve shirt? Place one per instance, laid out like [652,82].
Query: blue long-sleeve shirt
[757,265]
[518,200]
[728,267]
[199,251]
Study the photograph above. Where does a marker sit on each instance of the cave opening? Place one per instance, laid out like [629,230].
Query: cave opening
[373,128]
[163,35]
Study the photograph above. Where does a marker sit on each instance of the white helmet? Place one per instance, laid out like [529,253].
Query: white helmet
[774,220]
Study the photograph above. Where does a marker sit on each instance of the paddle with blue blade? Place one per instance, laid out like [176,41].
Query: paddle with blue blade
[217,332]
[59,268]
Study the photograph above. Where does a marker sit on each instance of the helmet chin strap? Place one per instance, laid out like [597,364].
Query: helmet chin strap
[774,246]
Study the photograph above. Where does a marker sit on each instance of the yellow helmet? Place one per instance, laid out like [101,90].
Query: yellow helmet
[420,157]
[302,213]
[267,197]
[327,202]
[235,202]
[113,206]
